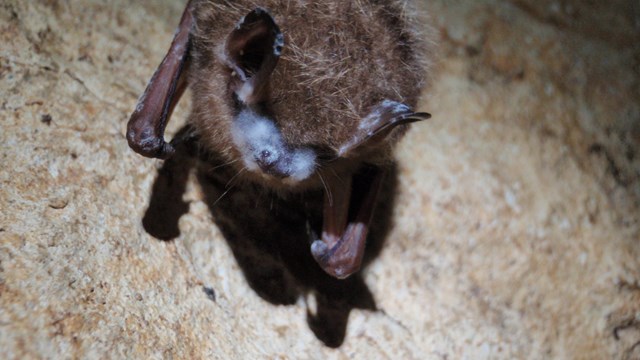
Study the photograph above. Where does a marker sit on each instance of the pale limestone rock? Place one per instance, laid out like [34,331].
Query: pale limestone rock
[516,231]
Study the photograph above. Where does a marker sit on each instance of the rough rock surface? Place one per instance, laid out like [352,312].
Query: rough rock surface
[516,232]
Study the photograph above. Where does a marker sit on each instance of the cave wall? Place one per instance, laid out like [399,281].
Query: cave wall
[515,232]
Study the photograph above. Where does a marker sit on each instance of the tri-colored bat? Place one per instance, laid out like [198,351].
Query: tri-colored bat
[297,109]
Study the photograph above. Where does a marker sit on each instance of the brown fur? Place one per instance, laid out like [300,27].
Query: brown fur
[340,58]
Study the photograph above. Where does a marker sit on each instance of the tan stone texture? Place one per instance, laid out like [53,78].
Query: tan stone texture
[516,232]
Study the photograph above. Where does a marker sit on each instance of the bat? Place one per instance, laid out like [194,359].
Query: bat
[298,109]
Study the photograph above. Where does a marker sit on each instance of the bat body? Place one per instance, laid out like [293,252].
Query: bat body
[295,96]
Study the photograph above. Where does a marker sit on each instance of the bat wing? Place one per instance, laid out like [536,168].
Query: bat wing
[379,123]
[145,130]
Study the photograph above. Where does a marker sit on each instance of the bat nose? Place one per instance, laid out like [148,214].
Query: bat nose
[268,162]
[266,159]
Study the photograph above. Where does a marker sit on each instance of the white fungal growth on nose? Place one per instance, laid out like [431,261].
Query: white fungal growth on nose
[303,163]
[251,133]
[254,135]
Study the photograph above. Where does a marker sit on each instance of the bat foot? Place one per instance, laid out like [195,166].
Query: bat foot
[332,262]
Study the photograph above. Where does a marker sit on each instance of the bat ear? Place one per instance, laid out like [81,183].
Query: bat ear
[252,51]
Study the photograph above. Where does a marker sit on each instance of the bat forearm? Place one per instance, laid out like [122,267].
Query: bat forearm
[145,130]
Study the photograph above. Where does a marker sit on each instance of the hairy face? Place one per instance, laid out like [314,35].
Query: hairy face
[334,83]
[263,149]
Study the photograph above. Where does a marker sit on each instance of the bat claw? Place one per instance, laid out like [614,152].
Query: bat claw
[166,151]
[383,119]
[419,116]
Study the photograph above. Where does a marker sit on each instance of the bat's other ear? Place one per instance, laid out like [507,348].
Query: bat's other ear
[145,130]
[252,51]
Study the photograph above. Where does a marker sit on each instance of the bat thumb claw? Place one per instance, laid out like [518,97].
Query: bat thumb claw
[419,116]
[166,151]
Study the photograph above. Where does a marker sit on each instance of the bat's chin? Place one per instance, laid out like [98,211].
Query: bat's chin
[282,184]
[267,175]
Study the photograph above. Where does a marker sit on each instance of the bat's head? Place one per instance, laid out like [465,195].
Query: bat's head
[329,97]
[251,53]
